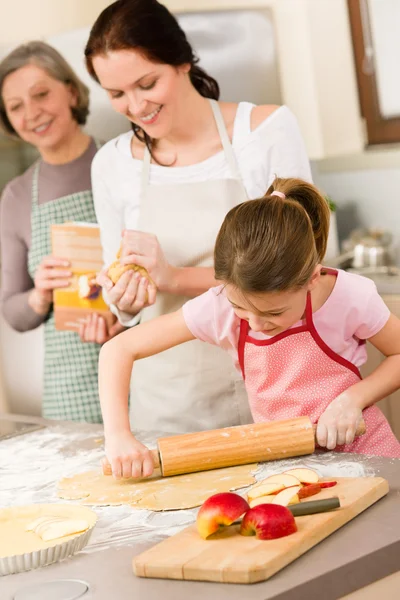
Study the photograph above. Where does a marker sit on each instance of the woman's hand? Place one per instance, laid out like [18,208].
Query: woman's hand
[338,424]
[144,249]
[127,457]
[131,293]
[52,273]
[95,329]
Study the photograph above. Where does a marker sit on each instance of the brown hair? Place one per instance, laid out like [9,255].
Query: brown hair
[273,243]
[147,26]
[47,58]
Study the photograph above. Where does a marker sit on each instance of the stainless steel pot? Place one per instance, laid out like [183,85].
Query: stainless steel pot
[365,249]
[371,248]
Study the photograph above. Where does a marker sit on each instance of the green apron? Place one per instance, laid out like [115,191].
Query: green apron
[70,365]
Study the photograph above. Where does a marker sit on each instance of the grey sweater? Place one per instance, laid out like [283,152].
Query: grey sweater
[55,181]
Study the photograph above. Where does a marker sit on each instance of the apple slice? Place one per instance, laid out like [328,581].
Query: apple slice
[268,522]
[220,510]
[309,490]
[261,500]
[303,475]
[283,479]
[265,489]
[287,496]
[327,484]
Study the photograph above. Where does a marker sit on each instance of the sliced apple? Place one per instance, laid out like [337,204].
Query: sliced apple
[283,479]
[264,489]
[327,484]
[268,522]
[309,490]
[303,475]
[262,500]
[220,510]
[287,496]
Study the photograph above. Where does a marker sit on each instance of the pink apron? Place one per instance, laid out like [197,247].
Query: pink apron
[296,374]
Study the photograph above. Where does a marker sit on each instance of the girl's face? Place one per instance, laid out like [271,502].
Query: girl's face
[270,312]
[149,94]
[38,107]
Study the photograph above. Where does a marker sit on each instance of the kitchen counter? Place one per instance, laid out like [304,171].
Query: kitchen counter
[363,551]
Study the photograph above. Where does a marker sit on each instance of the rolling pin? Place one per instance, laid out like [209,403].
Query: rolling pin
[231,446]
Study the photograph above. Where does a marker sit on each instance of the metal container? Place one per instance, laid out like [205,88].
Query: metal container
[371,248]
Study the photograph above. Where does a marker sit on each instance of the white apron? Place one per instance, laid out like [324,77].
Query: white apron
[194,386]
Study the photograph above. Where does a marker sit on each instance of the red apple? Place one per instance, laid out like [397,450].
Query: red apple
[309,490]
[268,522]
[220,510]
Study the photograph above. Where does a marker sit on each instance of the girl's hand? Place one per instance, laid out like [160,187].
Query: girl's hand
[131,293]
[127,456]
[337,425]
[144,249]
[95,329]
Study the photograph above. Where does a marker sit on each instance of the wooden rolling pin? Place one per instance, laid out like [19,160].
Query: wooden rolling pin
[241,445]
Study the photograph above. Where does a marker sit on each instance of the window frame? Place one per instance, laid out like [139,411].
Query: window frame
[380,130]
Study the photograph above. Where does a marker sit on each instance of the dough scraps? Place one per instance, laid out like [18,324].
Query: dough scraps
[157,493]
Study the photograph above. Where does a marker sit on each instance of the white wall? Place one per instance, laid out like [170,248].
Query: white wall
[368,198]
[23,20]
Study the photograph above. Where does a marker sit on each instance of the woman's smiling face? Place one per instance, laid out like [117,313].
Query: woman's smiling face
[38,107]
[149,94]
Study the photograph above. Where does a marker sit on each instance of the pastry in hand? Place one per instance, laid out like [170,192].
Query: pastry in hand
[116,269]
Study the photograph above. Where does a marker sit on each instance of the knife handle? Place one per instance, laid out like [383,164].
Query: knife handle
[314,506]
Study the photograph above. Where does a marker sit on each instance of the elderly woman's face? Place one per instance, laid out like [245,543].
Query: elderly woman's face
[38,107]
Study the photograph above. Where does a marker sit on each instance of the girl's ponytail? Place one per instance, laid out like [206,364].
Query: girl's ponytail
[315,205]
[273,243]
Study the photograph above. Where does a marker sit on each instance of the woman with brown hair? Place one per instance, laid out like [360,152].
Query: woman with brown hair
[44,103]
[169,184]
[296,331]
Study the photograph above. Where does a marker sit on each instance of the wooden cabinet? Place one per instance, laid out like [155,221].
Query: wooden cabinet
[390,406]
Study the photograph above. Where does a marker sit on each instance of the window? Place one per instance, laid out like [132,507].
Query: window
[375,28]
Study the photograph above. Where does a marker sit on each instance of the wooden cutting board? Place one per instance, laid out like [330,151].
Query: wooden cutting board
[229,557]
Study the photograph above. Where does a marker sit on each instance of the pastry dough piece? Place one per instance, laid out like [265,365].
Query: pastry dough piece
[116,269]
[156,493]
[62,528]
[51,528]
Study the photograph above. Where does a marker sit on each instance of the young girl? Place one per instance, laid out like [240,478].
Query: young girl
[295,329]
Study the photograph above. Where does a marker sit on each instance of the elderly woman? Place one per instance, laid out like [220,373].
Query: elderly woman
[44,103]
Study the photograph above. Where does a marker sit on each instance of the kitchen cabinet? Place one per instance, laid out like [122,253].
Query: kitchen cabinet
[390,406]
[316,67]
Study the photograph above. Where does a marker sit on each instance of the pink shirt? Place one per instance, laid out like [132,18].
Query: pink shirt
[354,311]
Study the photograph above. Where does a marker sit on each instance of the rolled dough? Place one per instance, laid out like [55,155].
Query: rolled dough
[156,493]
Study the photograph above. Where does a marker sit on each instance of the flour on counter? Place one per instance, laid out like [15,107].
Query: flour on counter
[31,466]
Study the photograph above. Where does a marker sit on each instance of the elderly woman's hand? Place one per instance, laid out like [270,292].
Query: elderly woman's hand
[52,273]
[96,330]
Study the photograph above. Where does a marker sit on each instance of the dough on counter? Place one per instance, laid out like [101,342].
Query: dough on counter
[15,522]
[156,493]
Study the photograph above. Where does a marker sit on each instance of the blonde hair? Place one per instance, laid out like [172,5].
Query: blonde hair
[47,58]
[275,242]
